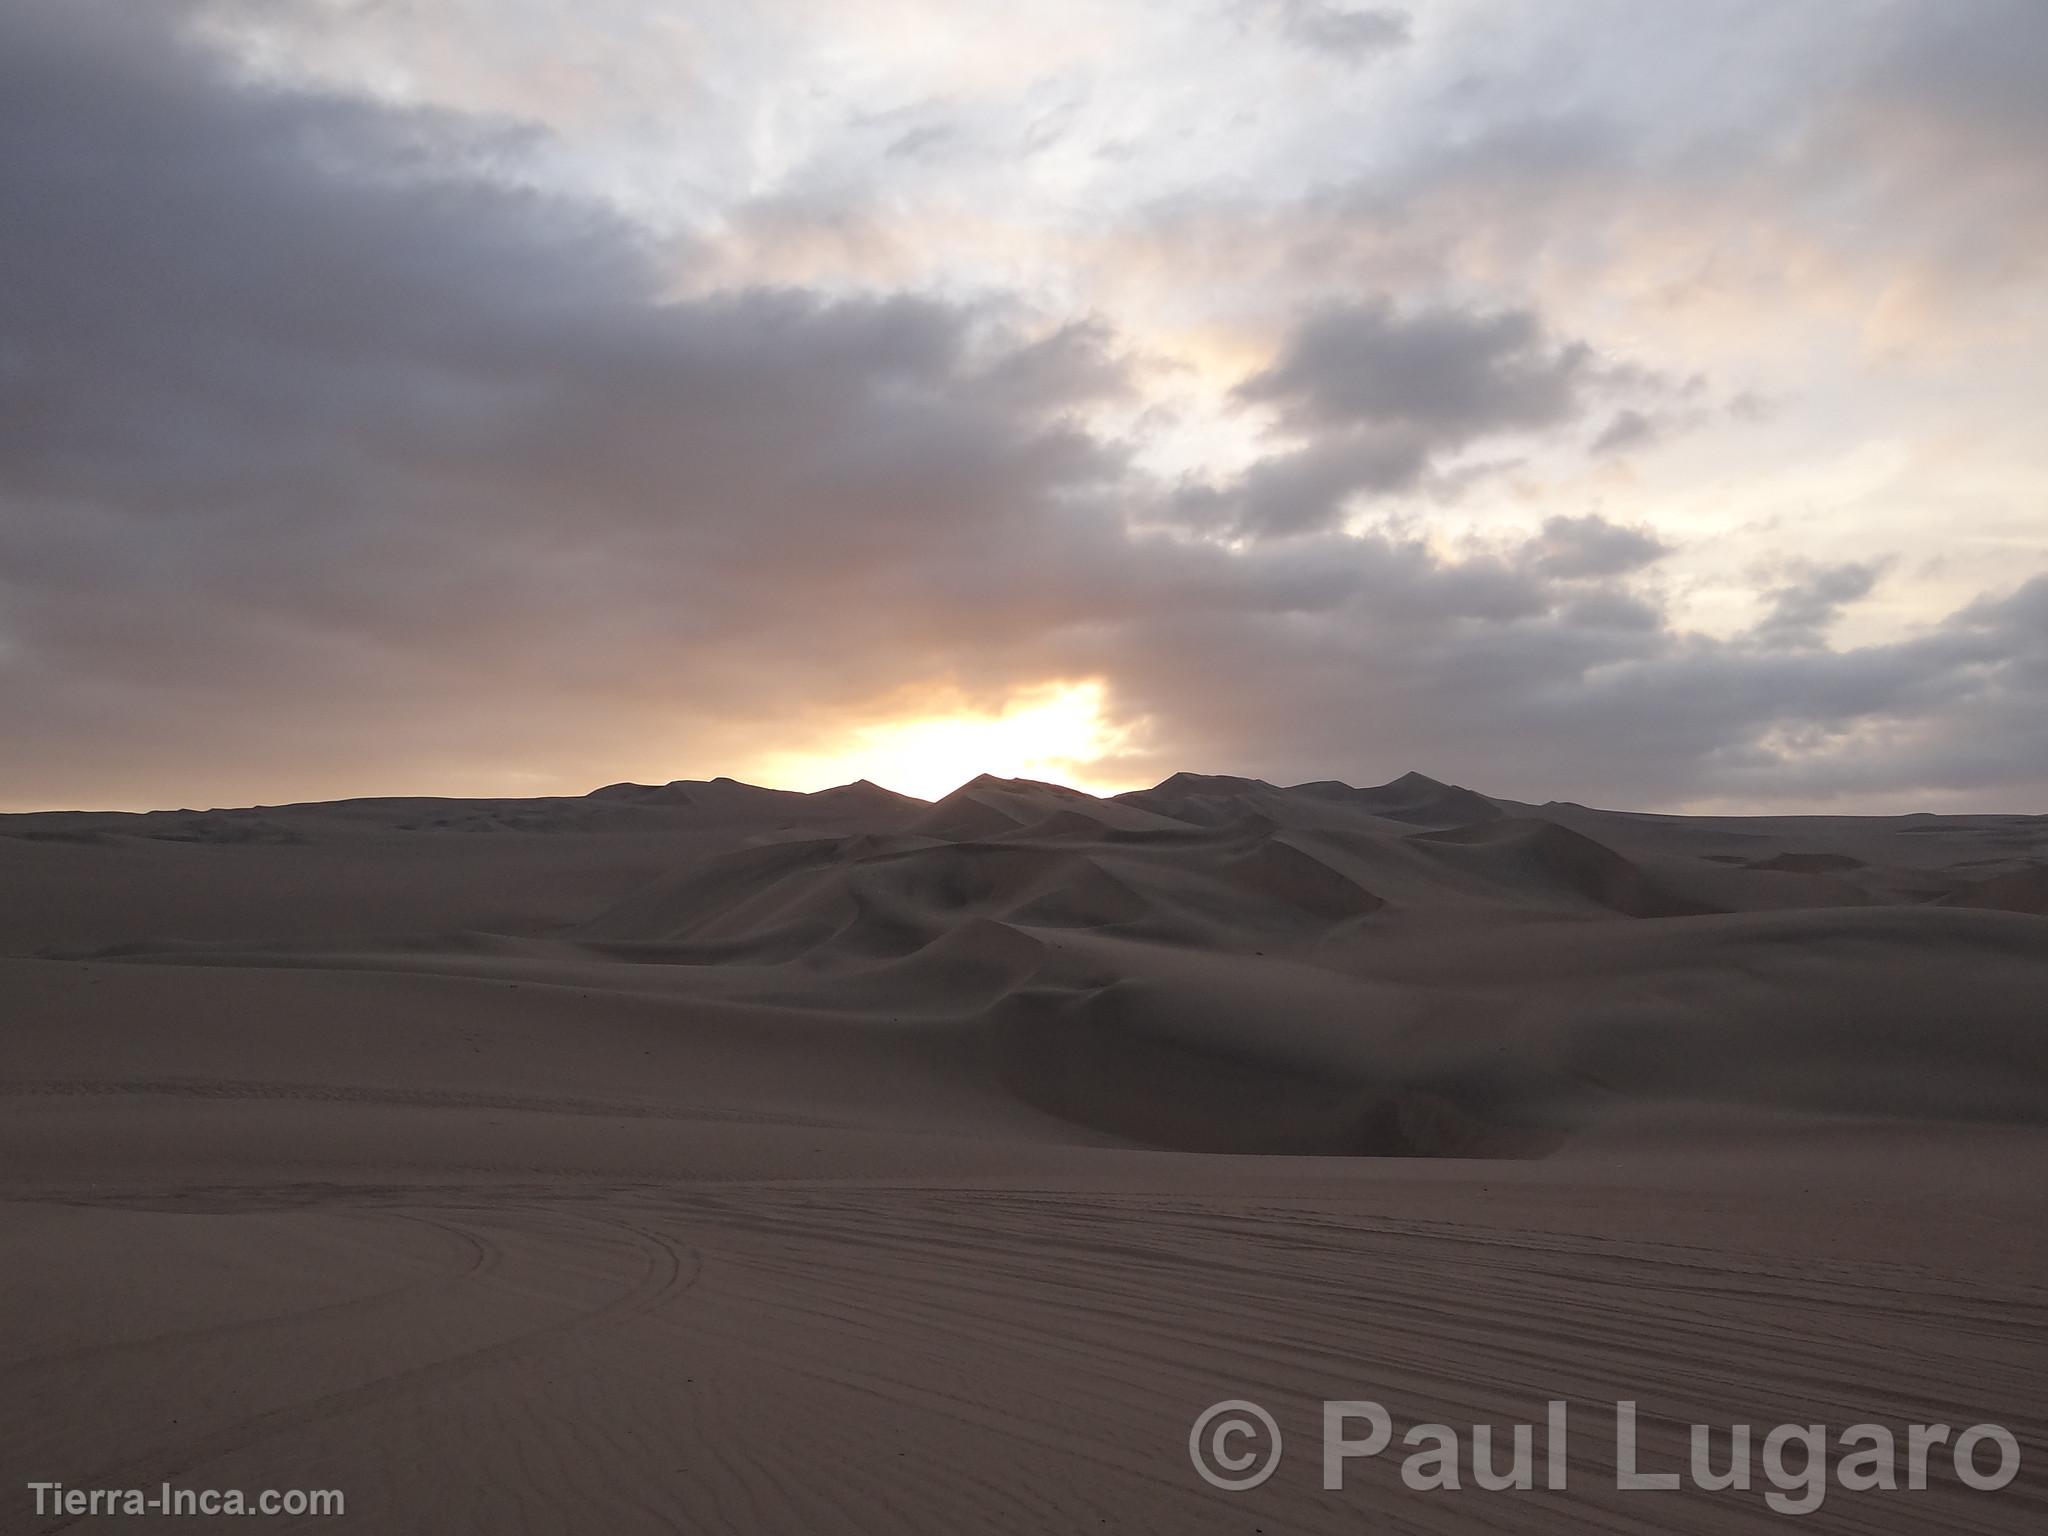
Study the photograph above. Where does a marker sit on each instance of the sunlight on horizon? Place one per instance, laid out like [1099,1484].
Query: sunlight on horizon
[1055,731]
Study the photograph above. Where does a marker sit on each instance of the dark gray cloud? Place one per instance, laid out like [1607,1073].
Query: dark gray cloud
[1304,490]
[1801,611]
[1072,366]
[1576,547]
[1449,373]
[332,460]
[1378,399]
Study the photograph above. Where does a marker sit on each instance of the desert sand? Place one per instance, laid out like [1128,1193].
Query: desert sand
[708,1158]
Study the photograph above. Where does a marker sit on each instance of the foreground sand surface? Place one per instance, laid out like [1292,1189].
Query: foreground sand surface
[705,1158]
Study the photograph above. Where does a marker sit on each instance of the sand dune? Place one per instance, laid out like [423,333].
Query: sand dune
[704,1156]
[2019,890]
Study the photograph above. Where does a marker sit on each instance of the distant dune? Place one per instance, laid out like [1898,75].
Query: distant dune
[405,1085]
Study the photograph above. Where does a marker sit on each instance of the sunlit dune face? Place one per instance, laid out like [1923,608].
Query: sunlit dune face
[1057,732]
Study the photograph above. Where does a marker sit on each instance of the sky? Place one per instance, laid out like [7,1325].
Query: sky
[1637,405]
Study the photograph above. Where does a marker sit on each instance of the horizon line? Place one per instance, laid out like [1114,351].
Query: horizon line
[864,782]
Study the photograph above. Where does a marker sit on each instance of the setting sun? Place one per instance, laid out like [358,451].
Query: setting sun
[1056,731]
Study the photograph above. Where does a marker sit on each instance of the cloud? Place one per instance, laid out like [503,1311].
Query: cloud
[927,139]
[1075,364]
[1752,406]
[1949,105]
[1801,611]
[336,458]
[1627,429]
[1874,180]
[1449,373]
[306,420]
[1574,548]
[1341,32]
[1380,397]
[1305,490]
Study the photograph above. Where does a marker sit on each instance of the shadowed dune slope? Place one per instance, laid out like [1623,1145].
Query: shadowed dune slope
[1551,863]
[2021,890]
